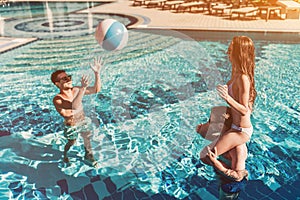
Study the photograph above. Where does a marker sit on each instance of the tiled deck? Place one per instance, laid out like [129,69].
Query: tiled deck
[167,19]
[11,43]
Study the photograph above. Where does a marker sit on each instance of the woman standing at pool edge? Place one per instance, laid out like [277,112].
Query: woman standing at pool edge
[240,95]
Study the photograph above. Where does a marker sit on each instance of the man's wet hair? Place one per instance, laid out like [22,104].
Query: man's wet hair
[55,74]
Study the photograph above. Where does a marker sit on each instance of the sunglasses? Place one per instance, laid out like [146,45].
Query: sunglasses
[66,78]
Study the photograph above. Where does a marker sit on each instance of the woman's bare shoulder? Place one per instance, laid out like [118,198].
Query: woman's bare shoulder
[243,79]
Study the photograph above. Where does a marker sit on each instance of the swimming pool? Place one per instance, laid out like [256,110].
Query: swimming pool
[154,93]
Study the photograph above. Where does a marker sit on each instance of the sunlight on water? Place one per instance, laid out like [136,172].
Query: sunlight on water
[154,93]
[146,113]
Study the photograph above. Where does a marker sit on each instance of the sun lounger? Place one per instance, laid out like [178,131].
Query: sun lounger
[185,6]
[138,2]
[154,3]
[244,11]
[269,10]
[291,9]
[220,8]
[172,4]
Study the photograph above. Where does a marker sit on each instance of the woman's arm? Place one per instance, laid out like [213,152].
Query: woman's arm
[235,175]
[215,162]
[242,105]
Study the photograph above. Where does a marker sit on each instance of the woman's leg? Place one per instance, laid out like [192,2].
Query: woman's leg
[224,143]
[211,131]
[229,140]
[238,156]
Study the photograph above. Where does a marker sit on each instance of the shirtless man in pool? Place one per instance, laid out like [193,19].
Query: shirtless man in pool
[68,103]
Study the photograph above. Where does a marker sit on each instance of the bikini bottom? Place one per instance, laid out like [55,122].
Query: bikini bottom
[247,131]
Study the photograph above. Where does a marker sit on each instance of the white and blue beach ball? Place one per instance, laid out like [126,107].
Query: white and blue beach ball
[111,34]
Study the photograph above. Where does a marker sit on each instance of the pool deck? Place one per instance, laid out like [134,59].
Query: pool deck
[8,43]
[156,18]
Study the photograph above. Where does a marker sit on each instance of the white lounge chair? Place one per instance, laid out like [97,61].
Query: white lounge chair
[184,6]
[291,9]
[220,8]
[244,11]
[172,4]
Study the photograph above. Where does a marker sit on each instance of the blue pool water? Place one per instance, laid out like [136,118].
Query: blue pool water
[155,91]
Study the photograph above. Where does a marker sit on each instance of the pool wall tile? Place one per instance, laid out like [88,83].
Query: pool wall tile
[4,133]
[108,198]
[110,186]
[54,191]
[42,190]
[296,184]
[213,188]
[95,178]
[100,189]
[197,181]
[37,194]
[193,196]
[78,195]
[162,197]
[138,193]
[16,188]
[63,186]
[117,195]
[129,194]
[120,182]
[157,197]
[255,190]
[90,193]
[288,192]
[204,194]
[274,196]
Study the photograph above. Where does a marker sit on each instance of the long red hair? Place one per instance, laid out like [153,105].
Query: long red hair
[243,60]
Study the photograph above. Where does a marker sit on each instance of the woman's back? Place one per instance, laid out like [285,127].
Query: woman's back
[239,90]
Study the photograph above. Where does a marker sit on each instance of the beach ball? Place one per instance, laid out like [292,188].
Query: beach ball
[111,35]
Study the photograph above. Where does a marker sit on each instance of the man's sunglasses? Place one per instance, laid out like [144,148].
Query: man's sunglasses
[66,78]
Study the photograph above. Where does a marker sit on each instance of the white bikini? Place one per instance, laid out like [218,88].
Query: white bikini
[247,131]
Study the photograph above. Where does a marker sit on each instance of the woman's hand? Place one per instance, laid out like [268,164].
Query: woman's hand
[212,155]
[223,91]
[98,63]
